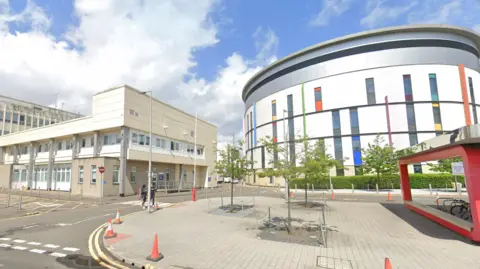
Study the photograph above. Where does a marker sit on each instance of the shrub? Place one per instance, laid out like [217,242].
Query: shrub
[417,181]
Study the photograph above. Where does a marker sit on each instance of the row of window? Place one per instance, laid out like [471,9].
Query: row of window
[17,118]
[61,174]
[163,143]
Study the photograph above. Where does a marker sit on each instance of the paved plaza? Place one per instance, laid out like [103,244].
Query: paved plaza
[361,235]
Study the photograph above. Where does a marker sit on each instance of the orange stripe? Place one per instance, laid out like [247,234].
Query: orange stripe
[463,85]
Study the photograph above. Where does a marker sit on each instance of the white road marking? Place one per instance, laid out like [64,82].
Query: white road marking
[56,254]
[19,241]
[53,208]
[39,251]
[5,239]
[5,245]
[63,224]
[28,227]
[77,205]
[71,249]
[51,246]
[19,248]
[34,243]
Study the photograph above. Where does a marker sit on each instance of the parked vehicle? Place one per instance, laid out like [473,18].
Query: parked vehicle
[236,181]
[227,179]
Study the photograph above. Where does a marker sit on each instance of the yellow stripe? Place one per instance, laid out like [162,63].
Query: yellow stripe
[438,127]
[274,101]
[274,117]
[435,105]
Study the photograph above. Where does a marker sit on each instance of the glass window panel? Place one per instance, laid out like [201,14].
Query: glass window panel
[142,139]
[105,139]
[115,174]
[413,139]
[80,176]
[472,96]
[274,108]
[407,87]
[318,94]
[134,138]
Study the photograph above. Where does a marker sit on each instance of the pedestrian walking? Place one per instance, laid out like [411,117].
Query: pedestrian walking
[144,195]
[152,195]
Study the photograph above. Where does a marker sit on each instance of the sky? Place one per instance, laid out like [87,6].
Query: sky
[194,54]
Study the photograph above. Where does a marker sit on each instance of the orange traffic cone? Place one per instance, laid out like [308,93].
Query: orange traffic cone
[389,197]
[110,233]
[333,195]
[388,265]
[117,218]
[155,256]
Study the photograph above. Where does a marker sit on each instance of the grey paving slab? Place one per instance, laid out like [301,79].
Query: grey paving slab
[362,235]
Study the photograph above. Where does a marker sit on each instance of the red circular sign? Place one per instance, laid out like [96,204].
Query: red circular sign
[101,169]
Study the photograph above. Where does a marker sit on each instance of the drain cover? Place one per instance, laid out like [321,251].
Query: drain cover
[333,263]
[79,261]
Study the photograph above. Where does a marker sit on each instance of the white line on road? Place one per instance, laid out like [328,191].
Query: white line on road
[28,227]
[77,205]
[5,245]
[39,251]
[19,248]
[71,249]
[19,241]
[63,224]
[5,239]
[53,208]
[34,243]
[56,254]
[51,246]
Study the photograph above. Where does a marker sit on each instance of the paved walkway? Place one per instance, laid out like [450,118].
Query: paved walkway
[361,236]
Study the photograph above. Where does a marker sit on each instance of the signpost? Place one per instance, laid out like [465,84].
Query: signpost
[457,169]
[101,169]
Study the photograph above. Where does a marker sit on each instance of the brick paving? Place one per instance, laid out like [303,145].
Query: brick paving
[361,236]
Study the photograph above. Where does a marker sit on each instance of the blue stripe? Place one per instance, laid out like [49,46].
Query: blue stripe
[255,124]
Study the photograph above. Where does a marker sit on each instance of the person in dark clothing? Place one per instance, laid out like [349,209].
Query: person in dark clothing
[152,196]
[144,195]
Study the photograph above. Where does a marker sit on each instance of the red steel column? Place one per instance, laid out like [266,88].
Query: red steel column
[405,183]
[471,167]
[463,85]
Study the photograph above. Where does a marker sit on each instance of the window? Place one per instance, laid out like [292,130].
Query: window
[413,139]
[177,146]
[437,119]
[141,139]
[134,138]
[251,128]
[93,179]
[417,168]
[133,175]
[357,154]
[411,118]
[131,112]
[15,118]
[8,116]
[69,144]
[274,110]
[336,123]
[407,87]
[47,122]
[370,85]
[80,175]
[115,174]
[248,131]
[29,120]
[433,86]
[274,123]
[22,119]
[84,142]
[118,138]
[318,99]
[337,142]
[24,150]
[291,127]
[147,140]
[157,142]
[41,122]
[172,145]
[263,157]
[192,133]
[1,115]
[472,96]
[354,121]
[40,148]
[59,145]
[106,140]
[92,141]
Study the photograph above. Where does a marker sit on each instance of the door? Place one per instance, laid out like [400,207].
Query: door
[63,179]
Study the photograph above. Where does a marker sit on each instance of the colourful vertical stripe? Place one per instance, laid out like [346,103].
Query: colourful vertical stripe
[255,124]
[463,85]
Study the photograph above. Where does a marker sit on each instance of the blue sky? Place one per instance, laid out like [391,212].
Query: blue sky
[196,55]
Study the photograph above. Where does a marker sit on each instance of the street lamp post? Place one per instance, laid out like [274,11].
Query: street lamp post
[285,148]
[149,197]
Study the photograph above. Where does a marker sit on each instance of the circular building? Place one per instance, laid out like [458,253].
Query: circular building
[424,77]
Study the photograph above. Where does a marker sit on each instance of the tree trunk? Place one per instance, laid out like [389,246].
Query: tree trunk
[231,195]
[306,192]
[289,220]
[378,179]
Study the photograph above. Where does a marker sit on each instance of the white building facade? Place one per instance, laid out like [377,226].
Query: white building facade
[336,92]
[65,156]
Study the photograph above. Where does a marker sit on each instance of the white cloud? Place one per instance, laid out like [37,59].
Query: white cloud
[148,44]
[380,13]
[220,100]
[441,11]
[330,9]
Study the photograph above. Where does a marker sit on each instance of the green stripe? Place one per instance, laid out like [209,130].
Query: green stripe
[304,117]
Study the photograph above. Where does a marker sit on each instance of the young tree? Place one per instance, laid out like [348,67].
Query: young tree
[282,164]
[317,163]
[232,164]
[380,158]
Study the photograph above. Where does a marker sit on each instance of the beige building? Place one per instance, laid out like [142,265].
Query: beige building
[67,155]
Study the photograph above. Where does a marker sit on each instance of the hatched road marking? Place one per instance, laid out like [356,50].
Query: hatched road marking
[36,250]
[5,239]
[56,254]
[39,251]
[71,249]
[19,248]
[34,243]
[19,241]
[51,246]
[5,245]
